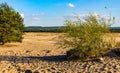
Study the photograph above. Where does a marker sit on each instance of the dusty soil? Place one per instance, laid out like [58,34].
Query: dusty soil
[39,53]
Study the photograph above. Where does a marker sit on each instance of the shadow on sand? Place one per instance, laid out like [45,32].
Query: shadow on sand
[32,59]
[57,58]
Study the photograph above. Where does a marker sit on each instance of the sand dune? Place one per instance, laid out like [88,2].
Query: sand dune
[39,53]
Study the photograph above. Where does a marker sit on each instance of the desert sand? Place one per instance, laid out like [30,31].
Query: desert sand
[39,53]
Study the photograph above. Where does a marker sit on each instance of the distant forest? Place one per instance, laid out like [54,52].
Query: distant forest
[58,29]
[43,29]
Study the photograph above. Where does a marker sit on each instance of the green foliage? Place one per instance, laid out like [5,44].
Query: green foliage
[84,36]
[11,25]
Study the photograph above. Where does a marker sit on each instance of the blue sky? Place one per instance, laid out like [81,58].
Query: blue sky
[52,12]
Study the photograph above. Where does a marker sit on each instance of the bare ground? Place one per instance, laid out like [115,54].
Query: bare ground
[39,53]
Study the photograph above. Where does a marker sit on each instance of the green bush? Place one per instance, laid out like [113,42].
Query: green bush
[84,36]
[11,25]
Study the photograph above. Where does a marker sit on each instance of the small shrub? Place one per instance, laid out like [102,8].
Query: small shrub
[85,36]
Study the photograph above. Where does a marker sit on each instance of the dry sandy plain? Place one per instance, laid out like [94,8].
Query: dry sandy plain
[39,53]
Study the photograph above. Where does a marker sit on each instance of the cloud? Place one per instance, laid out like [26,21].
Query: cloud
[77,15]
[70,5]
[38,14]
[22,15]
[85,15]
[36,18]
[82,15]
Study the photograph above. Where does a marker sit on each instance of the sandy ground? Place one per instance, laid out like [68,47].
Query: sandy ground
[39,53]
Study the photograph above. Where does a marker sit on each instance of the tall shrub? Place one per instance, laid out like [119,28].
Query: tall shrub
[84,36]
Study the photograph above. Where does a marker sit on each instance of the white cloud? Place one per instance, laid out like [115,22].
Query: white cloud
[70,5]
[42,13]
[74,15]
[36,18]
[84,15]
[77,15]
[22,15]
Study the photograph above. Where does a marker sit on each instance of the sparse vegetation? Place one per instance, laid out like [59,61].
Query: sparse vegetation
[86,36]
[11,25]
